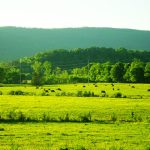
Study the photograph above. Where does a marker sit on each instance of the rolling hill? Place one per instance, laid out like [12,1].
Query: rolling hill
[19,42]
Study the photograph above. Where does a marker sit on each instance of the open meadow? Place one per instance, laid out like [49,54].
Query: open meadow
[75,116]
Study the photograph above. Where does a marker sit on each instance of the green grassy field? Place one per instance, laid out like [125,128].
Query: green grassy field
[57,121]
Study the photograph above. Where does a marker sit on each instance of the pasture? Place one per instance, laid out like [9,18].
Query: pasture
[62,119]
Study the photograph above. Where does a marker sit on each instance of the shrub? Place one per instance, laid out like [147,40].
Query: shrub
[66,117]
[63,94]
[148,147]
[1,93]
[45,117]
[85,94]
[44,94]
[11,115]
[1,85]
[79,94]
[70,94]
[113,117]
[21,116]
[2,129]
[118,95]
[115,148]
[11,93]
[64,148]
[80,148]
[19,92]
[137,118]
[103,95]
[86,117]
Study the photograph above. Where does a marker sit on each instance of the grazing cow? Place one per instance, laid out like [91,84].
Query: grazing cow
[45,90]
[112,84]
[59,89]
[103,92]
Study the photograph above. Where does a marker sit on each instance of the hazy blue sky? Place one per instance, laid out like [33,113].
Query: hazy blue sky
[76,13]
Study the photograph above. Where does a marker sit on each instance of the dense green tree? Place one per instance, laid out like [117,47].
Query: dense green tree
[47,69]
[105,72]
[137,72]
[126,76]
[147,73]
[95,71]
[2,74]
[37,73]
[64,77]
[117,72]
[12,76]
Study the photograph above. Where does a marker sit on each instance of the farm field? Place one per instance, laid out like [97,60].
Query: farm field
[33,120]
[75,136]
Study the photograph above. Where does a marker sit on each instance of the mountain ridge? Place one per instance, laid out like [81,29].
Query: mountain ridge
[16,42]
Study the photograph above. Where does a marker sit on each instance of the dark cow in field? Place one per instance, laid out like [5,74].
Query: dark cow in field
[112,84]
[103,92]
[59,89]
[45,90]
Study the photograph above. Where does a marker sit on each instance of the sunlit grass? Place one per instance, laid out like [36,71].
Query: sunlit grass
[116,123]
[75,135]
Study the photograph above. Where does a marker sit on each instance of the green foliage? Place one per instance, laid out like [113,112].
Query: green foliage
[86,117]
[47,69]
[118,95]
[2,74]
[79,66]
[18,92]
[113,117]
[1,93]
[85,94]
[65,122]
[117,72]
[137,71]
[37,40]
[147,72]
[37,73]
[12,75]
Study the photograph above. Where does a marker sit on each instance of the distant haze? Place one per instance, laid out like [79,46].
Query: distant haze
[133,14]
[20,42]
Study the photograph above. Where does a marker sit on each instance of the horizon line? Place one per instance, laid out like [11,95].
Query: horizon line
[46,28]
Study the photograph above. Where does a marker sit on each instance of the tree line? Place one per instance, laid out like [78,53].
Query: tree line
[45,73]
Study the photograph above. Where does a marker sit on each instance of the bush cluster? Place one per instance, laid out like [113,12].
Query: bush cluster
[1,93]
[18,92]
[85,94]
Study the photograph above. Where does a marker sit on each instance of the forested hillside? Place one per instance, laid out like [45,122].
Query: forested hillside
[79,65]
[20,42]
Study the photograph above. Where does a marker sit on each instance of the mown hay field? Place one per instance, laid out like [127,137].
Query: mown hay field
[71,121]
